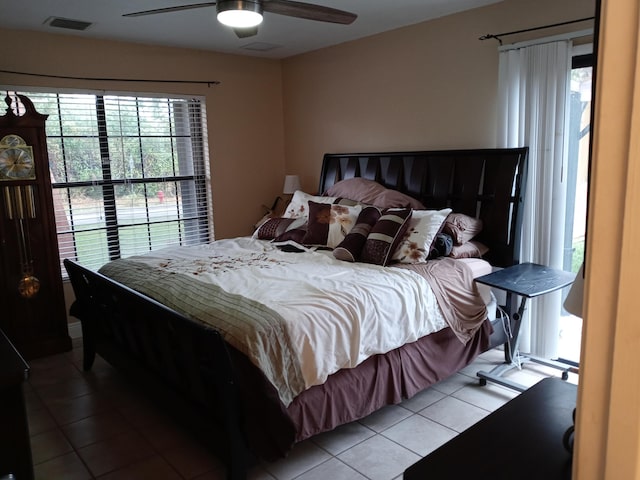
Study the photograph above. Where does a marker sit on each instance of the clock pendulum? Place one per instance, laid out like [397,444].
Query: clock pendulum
[19,207]
[16,163]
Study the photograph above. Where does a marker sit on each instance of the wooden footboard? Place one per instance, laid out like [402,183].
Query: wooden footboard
[166,352]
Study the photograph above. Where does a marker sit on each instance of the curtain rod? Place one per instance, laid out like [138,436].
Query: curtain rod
[554,38]
[200,82]
[498,35]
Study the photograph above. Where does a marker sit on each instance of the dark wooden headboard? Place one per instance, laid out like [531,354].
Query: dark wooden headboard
[484,183]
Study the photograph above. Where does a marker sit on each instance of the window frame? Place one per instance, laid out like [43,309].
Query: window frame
[193,215]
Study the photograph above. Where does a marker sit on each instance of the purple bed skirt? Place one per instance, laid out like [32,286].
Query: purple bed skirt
[349,394]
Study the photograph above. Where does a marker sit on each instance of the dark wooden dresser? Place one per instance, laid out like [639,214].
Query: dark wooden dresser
[15,446]
[521,440]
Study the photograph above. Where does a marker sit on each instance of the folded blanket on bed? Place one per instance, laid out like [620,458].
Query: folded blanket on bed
[300,316]
[457,294]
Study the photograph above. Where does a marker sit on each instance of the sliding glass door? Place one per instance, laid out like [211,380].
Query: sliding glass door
[577,188]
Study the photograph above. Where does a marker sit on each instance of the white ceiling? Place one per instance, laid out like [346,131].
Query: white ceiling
[198,28]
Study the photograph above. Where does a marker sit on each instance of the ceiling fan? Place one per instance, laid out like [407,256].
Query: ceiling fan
[244,16]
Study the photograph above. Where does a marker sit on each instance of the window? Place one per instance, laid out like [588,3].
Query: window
[541,106]
[129,173]
[578,161]
[577,187]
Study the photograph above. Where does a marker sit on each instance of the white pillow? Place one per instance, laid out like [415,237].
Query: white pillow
[299,205]
[423,227]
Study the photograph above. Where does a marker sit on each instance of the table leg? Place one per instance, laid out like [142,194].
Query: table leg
[514,360]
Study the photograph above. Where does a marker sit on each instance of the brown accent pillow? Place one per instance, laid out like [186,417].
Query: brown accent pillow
[372,193]
[385,236]
[349,249]
[328,224]
[470,249]
[299,205]
[461,227]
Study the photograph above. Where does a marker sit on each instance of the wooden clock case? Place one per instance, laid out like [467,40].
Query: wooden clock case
[37,326]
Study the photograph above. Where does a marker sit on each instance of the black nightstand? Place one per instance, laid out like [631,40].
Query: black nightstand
[526,280]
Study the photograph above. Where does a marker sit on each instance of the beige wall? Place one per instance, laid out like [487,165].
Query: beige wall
[431,85]
[244,112]
[427,86]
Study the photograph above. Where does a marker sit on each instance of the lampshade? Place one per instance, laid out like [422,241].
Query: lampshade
[291,184]
[573,302]
[239,13]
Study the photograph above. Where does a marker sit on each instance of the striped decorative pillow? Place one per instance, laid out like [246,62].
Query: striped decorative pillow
[385,236]
[350,248]
[275,227]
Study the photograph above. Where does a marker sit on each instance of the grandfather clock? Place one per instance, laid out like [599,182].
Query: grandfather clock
[32,307]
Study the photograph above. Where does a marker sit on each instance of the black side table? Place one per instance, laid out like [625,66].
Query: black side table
[521,440]
[15,445]
[527,280]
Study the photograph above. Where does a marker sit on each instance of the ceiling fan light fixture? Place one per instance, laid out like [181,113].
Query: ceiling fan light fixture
[239,13]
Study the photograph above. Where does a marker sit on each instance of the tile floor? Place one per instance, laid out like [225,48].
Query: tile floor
[98,425]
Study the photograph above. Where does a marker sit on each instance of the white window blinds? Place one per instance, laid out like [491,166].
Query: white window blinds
[129,173]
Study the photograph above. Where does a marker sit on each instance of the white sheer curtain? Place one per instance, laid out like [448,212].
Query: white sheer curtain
[533,111]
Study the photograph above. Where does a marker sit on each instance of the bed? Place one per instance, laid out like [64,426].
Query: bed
[285,384]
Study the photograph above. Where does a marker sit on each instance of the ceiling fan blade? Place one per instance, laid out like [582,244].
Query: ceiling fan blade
[308,11]
[246,32]
[169,9]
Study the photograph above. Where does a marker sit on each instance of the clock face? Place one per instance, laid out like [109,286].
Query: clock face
[16,159]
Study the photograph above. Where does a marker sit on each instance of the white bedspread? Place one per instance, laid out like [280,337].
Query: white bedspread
[337,314]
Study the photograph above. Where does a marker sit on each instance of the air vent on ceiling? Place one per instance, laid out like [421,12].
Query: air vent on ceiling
[67,23]
[260,46]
